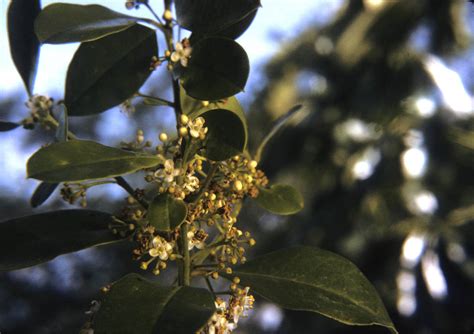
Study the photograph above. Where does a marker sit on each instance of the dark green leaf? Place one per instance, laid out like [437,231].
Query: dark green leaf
[311,279]
[32,240]
[279,123]
[42,193]
[218,68]
[8,126]
[65,23]
[234,31]
[106,72]
[280,199]
[135,305]
[24,46]
[227,134]
[207,16]
[63,126]
[166,212]
[79,160]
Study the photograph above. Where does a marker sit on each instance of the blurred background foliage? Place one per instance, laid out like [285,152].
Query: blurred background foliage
[383,152]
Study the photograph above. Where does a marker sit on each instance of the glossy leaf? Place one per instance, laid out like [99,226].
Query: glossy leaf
[226,136]
[8,126]
[311,279]
[65,23]
[166,212]
[79,160]
[234,31]
[42,193]
[31,240]
[106,72]
[135,305]
[24,46]
[207,16]
[281,199]
[217,69]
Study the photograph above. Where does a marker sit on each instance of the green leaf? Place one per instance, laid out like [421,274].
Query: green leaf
[24,46]
[66,23]
[8,126]
[218,68]
[79,160]
[106,72]
[207,16]
[42,193]
[281,199]
[135,305]
[234,31]
[311,279]
[226,136]
[31,240]
[62,130]
[279,124]
[166,212]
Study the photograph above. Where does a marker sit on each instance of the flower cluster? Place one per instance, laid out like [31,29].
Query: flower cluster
[227,314]
[40,107]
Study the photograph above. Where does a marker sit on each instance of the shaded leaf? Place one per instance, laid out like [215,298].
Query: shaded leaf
[311,279]
[65,23]
[234,31]
[136,305]
[79,160]
[24,46]
[226,136]
[35,239]
[281,199]
[279,123]
[166,212]
[207,16]
[63,126]
[8,126]
[42,193]
[106,72]
[218,68]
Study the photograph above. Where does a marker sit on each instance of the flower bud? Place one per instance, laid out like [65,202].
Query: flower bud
[163,137]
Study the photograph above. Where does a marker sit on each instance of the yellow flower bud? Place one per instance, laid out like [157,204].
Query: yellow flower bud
[228,270]
[183,131]
[236,280]
[163,137]
[252,242]
[215,275]
[167,53]
[167,15]
[238,185]
[205,103]
[252,164]
[184,119]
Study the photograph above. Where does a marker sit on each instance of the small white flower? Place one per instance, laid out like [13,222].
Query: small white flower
[197,129]
[161,248]
[191,183]
[182,53]
[168,172]
[197,239]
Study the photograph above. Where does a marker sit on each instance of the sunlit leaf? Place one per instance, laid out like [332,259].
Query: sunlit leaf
[106,72]
[65,23]
[8,126]
[207,16]
[135,305]
[24,46]
[42,193]
[281,199]
[217,69]
[311,279]
[35,239]
[166,212]
[79,160]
